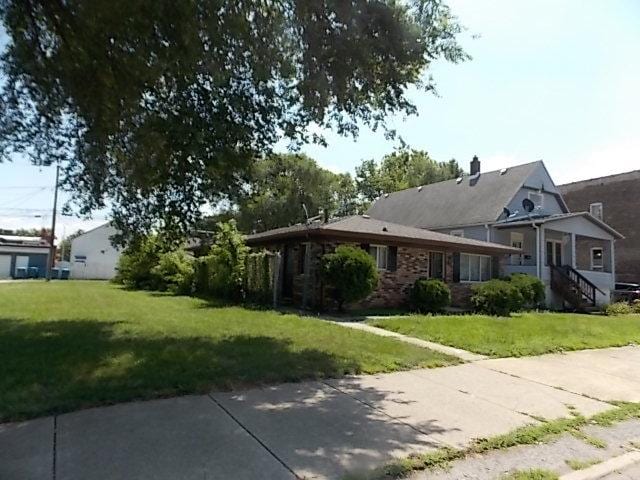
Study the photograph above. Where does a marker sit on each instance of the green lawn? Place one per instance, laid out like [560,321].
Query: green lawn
[521,334]
[68,345]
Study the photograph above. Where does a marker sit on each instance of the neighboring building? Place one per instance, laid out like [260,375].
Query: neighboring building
[93,257]
[22,257]
[573,253]
[614,199]
[403,255]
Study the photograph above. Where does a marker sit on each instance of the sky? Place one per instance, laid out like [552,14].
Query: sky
[550,80]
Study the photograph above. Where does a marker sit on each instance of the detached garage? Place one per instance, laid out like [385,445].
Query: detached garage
[23,257]
[92,255]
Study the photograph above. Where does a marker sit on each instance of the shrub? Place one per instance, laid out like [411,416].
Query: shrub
[258,277]
[430,296]
[618,308]
[135,266]
[175,272]
[351,272]
[635,306]
[497,297]
[221,273]
[531,288]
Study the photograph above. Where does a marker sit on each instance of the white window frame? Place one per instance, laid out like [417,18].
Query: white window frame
[444,273]
[457,233]
[539,195]
[379,256]
[557,244]
[594,267]
[599,205]
[468,278]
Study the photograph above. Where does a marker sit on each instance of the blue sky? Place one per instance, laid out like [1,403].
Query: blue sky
[551,80]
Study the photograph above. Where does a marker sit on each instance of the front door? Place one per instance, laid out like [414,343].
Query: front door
[554,252]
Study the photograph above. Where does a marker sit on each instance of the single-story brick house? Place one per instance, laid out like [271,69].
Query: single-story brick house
[403,255]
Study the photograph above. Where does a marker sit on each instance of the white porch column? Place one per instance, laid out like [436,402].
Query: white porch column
[613,264]
[573,250]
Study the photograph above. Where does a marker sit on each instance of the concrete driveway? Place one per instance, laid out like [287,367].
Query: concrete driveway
[319,430]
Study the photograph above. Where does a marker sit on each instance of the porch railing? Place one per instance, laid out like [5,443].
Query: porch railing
[573,286]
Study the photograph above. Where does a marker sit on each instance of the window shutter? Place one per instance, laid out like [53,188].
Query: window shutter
[365,247]
[392,260]
[456,267]
[495,266]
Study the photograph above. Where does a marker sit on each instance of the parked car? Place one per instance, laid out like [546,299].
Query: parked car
[626,292]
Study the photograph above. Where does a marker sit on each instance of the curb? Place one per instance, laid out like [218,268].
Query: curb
[605,468]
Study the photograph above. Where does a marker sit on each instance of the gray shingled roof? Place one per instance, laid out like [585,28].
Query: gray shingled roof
[451,204]
[368,230]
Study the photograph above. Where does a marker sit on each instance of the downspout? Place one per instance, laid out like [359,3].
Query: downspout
[538,269]
[486,226]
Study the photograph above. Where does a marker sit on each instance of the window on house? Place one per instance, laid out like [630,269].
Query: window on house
[436,265]
[517,241]
[597,258]
[554,252]
[457,233]
[537,198]
[380,254]
[596,210]
[475,268]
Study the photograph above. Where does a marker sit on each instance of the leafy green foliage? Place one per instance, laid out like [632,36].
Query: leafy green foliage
[400,170]
[531,474]
[531,288]
[497,297]
[221,273]
[280,185]
[160,114]
[258,277]
[174,272]
[618,308]
[430,296]
[136,264]
[351,272]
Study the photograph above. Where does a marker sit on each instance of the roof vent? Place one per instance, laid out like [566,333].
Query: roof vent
[384,229]
[503,171]
[459,180]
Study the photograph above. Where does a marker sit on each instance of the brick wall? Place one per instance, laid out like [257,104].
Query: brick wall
[620,196]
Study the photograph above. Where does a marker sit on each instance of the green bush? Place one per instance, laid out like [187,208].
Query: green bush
[497,297]
[221,273]
[258,277]
[175,272]
[531,288]
[618,308]
[635,306]
[136,264]
[430,296]
[351,272]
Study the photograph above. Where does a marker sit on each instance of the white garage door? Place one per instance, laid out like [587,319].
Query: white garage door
[5,266]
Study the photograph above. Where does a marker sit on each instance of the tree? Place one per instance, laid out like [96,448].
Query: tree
[281,184]
[400,170]
[158,107]
[351,272]
[64,248]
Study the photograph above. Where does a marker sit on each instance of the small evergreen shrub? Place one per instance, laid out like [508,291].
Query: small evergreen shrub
[497,297]
[351,272]
[175,272]
[430,296]
[618,308]
[531,288]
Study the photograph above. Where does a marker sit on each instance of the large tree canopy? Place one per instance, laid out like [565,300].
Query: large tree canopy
[400,170]
[158,107]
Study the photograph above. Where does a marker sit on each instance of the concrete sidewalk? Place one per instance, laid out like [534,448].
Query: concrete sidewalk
[319,430]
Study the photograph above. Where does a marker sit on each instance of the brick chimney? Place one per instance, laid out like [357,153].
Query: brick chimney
[475,165]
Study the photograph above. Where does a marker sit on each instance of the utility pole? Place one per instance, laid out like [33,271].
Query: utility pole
[52,255]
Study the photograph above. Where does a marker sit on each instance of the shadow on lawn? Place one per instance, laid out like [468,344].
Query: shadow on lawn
[57,366]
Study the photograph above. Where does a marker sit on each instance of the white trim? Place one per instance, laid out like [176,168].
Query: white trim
[457,233]
[32,250]
[599,268]
[597,204]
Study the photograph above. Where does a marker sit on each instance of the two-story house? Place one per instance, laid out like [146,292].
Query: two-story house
[521,207]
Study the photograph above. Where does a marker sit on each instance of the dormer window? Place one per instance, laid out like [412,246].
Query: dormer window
[537,198]
[596,210]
